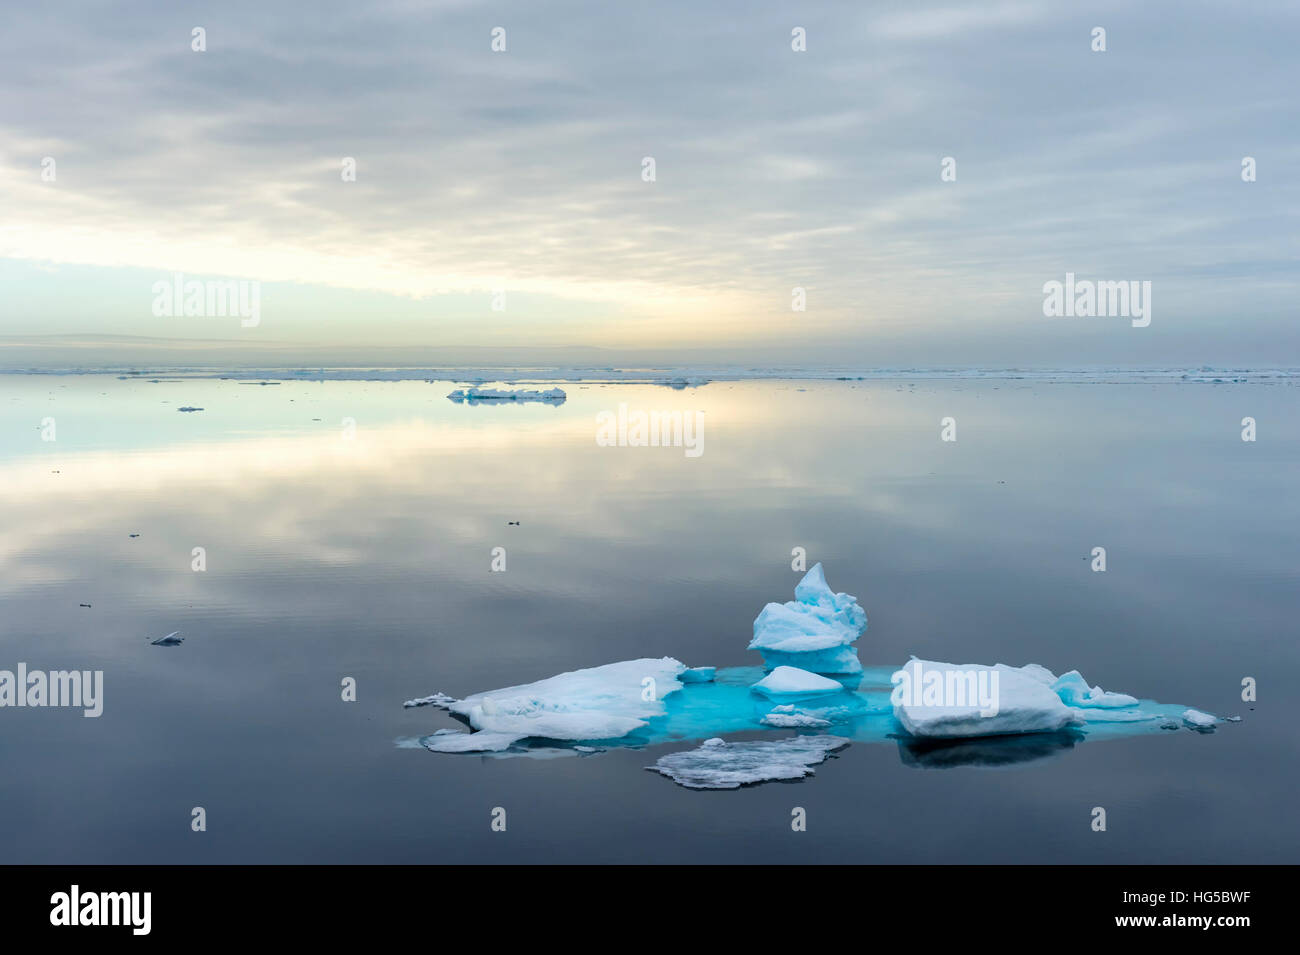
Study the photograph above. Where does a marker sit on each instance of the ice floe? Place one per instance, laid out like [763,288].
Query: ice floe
[940,715]
[456,741]
[945,699]
[717,764]
[605,702]
[789,716]
[787,681]
[478,393]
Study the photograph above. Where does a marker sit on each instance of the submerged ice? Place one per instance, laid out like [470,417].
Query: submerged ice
[811,683]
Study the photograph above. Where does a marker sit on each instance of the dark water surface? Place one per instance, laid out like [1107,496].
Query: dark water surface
[369,557]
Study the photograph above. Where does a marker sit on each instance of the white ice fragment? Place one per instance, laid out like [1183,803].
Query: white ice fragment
[1074,690]
[717,764]
[698,674]
[437,699]
[456,741]
[1023,703]
[604,702]
[1198,720]
[792,681]
[790,717]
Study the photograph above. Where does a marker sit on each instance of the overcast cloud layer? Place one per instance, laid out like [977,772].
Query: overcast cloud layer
[775,169]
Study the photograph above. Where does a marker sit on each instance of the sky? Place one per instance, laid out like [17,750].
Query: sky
[516,178]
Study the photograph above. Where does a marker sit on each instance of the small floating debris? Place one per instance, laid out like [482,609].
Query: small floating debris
[171,640]
[84,605]
[132,535]
[189,408]
[512,523]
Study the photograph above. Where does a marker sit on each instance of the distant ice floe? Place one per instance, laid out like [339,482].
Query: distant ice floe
[939,715]
[478,393]
[718,764]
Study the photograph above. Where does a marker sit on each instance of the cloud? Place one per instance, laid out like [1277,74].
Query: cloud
[775,169]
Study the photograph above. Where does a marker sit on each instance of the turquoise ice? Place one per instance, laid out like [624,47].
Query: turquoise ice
[649,702]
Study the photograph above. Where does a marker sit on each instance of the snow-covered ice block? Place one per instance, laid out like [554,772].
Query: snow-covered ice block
[1198,720]
[1074,690]
[603,702]
[944,700]
[787,681]
[456,741]
[814,632]
[717,764]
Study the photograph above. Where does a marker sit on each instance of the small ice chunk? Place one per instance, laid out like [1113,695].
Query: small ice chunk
[437,699]
[457,741]
[171,640]
[792,681]
[698,674]
[717,764]
[790,717]
[1198,720]
[1074,690]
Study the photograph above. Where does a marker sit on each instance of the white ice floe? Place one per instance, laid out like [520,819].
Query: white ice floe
[1198,720]
[947,703]
[717,764]
[458,741]
[789,716]
[814,632]
[434,700]
[786,681]
[171,640]
[604,702]
[479,393]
